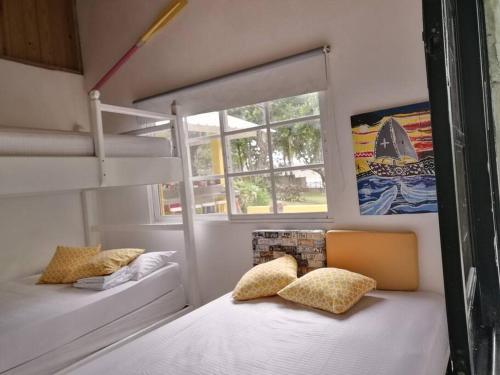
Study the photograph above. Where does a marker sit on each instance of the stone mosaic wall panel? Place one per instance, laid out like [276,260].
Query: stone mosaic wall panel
[307,246]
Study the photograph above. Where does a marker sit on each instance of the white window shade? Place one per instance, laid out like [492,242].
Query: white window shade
[290,76]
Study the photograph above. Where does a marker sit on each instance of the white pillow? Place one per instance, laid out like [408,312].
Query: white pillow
[148,263]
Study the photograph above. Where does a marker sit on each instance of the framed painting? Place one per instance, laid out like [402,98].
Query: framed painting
[394,160]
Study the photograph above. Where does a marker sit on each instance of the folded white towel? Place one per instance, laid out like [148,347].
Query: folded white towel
[105,278]
[105,282]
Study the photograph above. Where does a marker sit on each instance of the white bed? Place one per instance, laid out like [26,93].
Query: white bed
[386,333]
[39,320]
[18,142]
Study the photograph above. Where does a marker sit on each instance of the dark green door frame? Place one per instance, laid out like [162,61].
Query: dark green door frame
[466,171]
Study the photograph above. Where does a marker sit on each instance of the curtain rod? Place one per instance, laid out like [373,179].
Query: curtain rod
[324,49]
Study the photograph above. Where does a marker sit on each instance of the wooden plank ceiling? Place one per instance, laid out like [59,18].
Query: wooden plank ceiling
[40,32]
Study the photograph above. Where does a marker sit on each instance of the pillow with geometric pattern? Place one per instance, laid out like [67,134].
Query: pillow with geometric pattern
[266,279]
[64,261]
[104,263]
[330,289]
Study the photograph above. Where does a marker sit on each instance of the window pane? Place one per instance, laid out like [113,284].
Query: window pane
[210,196]
[170,201]
[294,107]
[248,151]
[301,191]
[252,195]
[245,117]
[204,124]
[297,144]
[206,157]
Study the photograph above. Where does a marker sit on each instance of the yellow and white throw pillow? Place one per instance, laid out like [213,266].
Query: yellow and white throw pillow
[64,261]
[330,289]
[104,263]
[266,279]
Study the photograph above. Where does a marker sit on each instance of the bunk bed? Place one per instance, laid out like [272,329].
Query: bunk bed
[44,328]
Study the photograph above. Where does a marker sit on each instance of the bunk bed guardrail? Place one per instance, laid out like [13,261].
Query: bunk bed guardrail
[96,110]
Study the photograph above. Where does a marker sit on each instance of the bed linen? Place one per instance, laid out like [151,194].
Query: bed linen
[169,305]
[386,333]
[35,319]
[119,277]
[59,143]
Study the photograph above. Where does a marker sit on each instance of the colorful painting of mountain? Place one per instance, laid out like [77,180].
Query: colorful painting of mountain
[394,160]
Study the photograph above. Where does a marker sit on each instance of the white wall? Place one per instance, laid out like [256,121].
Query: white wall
[377,61]
[31,226]
[33,97]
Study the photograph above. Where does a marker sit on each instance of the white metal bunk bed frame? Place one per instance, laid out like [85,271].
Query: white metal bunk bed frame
[179,161]
[30,175]
[33,175]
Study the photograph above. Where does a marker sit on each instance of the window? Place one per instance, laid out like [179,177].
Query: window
[264,159]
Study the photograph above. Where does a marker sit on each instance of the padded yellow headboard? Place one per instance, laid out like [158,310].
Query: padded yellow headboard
[389,258]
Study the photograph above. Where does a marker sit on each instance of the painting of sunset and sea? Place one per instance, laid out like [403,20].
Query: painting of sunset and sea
[395,161]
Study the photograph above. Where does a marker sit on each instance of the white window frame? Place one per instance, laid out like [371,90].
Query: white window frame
[275,216]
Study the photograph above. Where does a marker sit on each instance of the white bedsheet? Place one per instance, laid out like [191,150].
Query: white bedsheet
[35,319]
[59,143]
[386,333]
[171,303]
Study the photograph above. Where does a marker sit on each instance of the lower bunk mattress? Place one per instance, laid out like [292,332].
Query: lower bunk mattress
[386,333]
[39,319]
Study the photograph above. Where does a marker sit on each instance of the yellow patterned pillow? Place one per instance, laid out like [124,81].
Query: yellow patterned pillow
[331,289]
[266,279]
[64,261]
[104,263]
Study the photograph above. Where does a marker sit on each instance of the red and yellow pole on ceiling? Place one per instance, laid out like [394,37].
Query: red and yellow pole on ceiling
[167,15]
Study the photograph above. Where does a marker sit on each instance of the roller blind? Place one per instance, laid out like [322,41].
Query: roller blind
[294,75]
